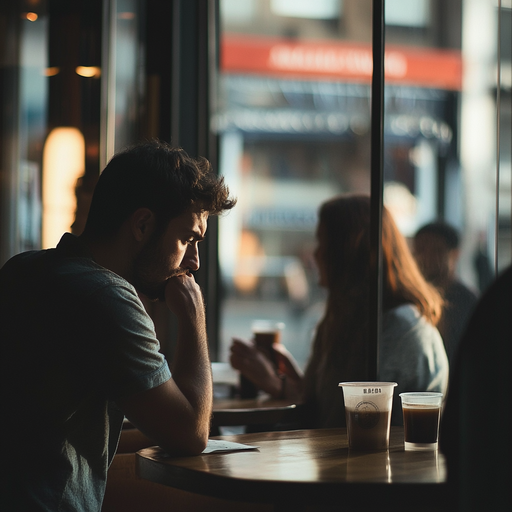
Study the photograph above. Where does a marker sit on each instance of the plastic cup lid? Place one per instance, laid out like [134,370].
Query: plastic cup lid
[367,384]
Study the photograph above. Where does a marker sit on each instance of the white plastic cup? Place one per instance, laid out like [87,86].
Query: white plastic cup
[422,413]
[368,408]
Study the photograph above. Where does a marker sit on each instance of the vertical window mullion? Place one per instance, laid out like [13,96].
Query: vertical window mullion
[377,141]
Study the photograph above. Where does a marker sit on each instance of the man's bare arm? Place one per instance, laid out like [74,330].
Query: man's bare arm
[176,414]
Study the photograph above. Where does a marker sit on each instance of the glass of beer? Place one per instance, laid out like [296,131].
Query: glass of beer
[422,413]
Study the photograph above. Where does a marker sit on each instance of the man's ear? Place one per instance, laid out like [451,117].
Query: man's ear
[142,223]
[453,258]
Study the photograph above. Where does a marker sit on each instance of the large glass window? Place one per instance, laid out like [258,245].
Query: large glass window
[293,121]
[292,117]
[294,128]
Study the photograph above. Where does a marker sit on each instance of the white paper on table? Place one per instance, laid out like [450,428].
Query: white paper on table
[216,445]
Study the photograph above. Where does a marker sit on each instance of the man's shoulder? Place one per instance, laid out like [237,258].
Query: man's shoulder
[58,273]
[459,291]
[21,260]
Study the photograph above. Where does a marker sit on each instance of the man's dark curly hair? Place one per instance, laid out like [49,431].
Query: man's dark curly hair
[156,176]
[443,230]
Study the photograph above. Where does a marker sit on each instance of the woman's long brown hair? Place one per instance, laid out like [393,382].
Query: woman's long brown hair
[345,222]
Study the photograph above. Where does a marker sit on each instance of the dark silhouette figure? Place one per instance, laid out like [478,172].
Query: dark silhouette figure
[436,249]
[475,427]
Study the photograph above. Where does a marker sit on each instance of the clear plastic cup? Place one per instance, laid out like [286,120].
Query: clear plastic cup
[368,408]
[422,413]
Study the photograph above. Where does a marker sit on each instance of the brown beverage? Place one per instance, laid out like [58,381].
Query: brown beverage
[421,423]
[368,429]
[267,339]
[264,340]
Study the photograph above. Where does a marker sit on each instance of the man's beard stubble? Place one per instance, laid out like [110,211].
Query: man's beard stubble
[150,273]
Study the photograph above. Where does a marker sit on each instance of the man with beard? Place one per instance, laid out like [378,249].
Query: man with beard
[78,350]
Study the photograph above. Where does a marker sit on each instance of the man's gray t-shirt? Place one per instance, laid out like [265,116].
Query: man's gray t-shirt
[74,337]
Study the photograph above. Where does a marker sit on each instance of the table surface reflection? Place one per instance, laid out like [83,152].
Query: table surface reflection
[261,402]
[304,467]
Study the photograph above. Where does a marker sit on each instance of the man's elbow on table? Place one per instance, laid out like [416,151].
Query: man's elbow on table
[176,440]
[164,415]
[185,446]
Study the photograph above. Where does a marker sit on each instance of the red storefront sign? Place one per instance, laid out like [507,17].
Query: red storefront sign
[343,61]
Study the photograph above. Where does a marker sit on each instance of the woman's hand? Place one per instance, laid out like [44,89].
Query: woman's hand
[254,364]
[286,364]
[257,365]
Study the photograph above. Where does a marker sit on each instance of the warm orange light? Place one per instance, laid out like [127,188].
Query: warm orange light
[126,15]
[52,71]
[88,71]
[30,16]
[63,164]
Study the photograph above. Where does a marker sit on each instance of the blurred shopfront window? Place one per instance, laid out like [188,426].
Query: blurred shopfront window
[293,121]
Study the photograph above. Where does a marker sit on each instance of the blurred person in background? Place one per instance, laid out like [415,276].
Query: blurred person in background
[436,247]
[411,350]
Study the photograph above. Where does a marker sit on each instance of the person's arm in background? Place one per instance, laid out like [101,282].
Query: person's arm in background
[255,364]
[176,414]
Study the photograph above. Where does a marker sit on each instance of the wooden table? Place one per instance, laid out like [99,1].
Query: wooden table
[308,470]
[227,412]
[252,411]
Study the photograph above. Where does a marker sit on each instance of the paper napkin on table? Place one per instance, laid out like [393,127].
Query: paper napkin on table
[216,445]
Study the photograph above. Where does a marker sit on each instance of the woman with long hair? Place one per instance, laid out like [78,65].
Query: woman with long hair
[411,350]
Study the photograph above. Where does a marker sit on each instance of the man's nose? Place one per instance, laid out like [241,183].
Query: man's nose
[191,259]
